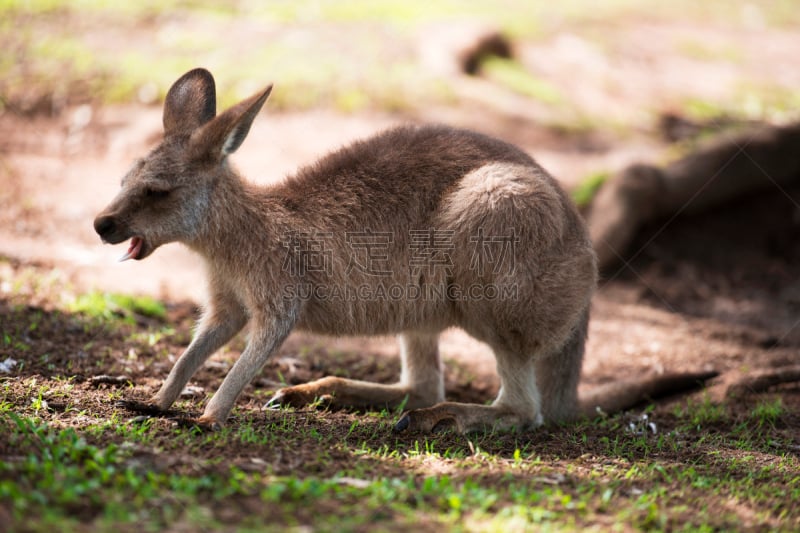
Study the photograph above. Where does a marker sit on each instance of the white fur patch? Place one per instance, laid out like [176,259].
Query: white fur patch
[495,182]
[490,190]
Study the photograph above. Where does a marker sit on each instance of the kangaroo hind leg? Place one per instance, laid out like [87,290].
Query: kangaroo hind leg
[421,382]
[517,406]
[558,374]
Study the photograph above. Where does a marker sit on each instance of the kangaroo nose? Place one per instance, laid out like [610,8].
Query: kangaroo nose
[104,226]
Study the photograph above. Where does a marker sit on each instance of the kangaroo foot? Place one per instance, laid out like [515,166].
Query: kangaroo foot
[465,418]
[300,396]
[337,393]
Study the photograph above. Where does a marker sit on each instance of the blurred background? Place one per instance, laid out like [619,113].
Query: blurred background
[577,64]
[586,87]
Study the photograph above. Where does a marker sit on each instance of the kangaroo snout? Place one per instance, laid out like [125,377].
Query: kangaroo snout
[112,232]
[106,226]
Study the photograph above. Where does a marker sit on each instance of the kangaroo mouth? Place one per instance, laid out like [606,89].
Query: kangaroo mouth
[136,250]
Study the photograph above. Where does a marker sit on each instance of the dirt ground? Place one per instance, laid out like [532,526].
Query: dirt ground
[717,291]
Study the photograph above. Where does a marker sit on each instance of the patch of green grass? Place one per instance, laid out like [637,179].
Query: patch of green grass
[59,477]
[701,413]
[698,109]
[750,102]
[584,193]
[108,306]
[767,412]
[512,75]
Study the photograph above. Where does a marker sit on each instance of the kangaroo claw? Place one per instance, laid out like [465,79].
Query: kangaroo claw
[427,421]
[143,408]
[276,402]
[205,426]
[402,424]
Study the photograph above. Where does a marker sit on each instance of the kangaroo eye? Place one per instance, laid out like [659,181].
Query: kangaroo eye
[156,193]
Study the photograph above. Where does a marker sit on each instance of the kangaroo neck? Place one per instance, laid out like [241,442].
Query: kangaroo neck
[242,220]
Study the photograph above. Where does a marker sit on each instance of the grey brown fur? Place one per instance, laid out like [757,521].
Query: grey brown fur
[409,179]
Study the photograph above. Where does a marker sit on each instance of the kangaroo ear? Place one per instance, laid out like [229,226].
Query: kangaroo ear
[223,135]
[190,103]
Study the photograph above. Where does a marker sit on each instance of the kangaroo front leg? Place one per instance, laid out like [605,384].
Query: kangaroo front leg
[264,339]
[421,382]
[221,322]
[217,328]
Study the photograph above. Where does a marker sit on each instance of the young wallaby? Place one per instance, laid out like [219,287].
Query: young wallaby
[409,232]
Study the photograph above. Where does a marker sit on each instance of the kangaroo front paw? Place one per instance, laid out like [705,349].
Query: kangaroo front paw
[298,396]
[143,408]
[203,424]
[146,409]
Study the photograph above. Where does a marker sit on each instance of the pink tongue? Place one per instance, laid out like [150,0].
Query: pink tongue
[133,250]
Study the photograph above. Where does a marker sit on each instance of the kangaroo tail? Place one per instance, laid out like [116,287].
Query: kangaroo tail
[620,395]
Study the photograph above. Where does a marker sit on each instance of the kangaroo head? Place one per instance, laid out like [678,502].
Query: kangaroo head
[165,196]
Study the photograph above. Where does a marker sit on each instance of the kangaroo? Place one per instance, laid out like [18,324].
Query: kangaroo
[409,232]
